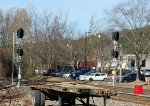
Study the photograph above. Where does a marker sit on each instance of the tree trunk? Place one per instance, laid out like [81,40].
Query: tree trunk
[137,69]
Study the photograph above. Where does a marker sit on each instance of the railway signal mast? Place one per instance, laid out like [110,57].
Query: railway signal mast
[116,54]
[19,51]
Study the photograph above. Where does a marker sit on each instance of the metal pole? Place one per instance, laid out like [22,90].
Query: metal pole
[113,80]
[120,63]
[115,60]
[96,64]
[101,56]
[19,68]
[13,58]
[100,50]
[19,77]
[85,58]
[72,60]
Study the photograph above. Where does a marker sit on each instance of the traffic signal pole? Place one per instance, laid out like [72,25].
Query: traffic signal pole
[115,59]
[116,54]
[19,67]
[19,75]
[115,51]
[20,34]
[120,63]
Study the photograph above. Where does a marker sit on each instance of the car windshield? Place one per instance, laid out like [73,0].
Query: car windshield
[131,73]
[89,73]
[92,74]
[147,70]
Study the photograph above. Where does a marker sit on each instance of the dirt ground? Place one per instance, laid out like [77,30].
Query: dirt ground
[25,98]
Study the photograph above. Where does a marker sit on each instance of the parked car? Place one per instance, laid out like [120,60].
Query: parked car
[129,77]
[97,76]
[83,76]
[48,72]
[67,74]
[76,74]
[146,72]
[42,71]
[54,73]
[60,73]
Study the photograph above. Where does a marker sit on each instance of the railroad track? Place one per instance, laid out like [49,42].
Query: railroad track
[121,89]
[126,94]
[138,99]
[123,93]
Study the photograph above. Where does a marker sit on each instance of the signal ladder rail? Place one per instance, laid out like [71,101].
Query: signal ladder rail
[67,92]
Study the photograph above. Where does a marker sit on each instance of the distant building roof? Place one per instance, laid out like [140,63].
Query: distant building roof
[88,63]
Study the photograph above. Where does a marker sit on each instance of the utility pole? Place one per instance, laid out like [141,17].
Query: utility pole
[85,57]
[120,62]
[100,50]
[13,58]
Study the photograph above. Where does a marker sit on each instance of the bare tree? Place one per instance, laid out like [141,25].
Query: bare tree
[46,38]
[132,18]
[94,24]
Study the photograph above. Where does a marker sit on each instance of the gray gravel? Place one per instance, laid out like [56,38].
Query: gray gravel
[99,102]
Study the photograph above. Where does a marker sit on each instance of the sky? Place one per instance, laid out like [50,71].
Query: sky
[79,11]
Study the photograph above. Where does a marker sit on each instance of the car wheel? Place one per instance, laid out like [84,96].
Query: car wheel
[124,80]
[105,79]
[77,79]
[90,79]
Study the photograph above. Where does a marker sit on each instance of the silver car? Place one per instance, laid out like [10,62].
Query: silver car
[83,77]
[146,72]
[97,76]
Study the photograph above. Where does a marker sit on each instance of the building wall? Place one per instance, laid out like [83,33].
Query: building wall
[147,63]
[129,62]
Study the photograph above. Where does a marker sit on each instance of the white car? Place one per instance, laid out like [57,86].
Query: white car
[67,75]
[146,72]
[83,77]
[97,76]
